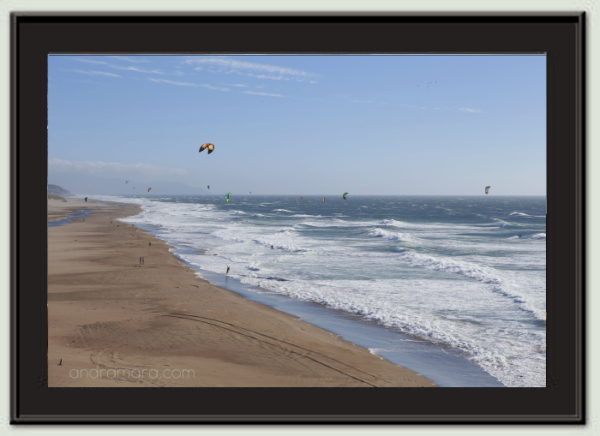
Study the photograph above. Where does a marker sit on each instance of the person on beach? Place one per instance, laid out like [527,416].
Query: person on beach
[228,268]
[85,199]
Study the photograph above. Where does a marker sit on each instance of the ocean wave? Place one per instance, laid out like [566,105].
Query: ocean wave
[393,223]
[392,236]
[447,321]
[483,274]
[501,223]
[534,236]
[433,226]
[278,243]
[335,222]
[523,214]
[282,210]
[438,263]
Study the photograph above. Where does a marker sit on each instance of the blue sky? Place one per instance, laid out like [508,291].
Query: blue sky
[440,125]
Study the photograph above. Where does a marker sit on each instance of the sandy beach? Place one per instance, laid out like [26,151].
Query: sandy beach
[123,311]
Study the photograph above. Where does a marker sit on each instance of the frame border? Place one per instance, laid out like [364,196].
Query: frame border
[579,230]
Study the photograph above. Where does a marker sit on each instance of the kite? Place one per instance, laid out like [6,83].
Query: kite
[345,195]
[208,146]
[487,190]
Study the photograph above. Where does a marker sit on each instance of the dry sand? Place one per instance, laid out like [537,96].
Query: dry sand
[114,322]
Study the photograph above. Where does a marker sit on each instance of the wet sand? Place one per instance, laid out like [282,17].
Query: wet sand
[61,209]
[123,311]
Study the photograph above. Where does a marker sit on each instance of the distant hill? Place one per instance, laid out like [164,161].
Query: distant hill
[57,190]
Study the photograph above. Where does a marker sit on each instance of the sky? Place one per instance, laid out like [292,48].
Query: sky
[298,125]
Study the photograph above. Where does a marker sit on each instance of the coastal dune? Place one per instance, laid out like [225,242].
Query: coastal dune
[124,311]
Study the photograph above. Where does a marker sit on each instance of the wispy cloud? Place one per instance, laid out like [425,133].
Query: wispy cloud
[91,61]
[190,84]
[250,69]
[94,73]
[264,94]
[133,68]
[133,60]
[114,169]
[136,69]
[469,110]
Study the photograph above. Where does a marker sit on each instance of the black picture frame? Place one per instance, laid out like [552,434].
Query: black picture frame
[561,36]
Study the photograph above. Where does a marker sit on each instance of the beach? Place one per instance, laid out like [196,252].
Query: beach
[123,311]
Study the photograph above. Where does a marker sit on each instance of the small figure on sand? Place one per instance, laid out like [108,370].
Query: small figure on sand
[272,247]
[85,199]
[141,260]
[150,244]
[228,268]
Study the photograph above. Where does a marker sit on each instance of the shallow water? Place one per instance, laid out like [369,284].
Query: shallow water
[79,214]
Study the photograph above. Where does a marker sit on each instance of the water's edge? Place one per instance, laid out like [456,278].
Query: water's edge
[78,214]
[444,366]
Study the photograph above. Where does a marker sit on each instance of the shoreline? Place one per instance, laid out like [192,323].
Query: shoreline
[125,311]
[443,365]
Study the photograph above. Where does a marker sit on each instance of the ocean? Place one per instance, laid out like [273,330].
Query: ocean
[465,274]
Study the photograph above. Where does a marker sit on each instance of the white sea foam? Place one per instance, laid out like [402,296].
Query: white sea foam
[523,214]
[394,236]
[394,223]
[336,222]
[447,312]
[483,274]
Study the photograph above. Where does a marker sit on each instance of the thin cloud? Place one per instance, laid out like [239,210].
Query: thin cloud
[91,61]
[469,110]
[264,94]
[136,69]
[133,60]
[190,84]
[94,73]
[113,169]
[250,69]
